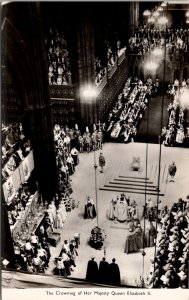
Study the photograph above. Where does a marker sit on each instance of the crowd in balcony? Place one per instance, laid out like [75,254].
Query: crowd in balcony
[169,267]
[17,206]
[128,110]
[177,131]
[59,61]
[112,56]
[15,147]
[146,39]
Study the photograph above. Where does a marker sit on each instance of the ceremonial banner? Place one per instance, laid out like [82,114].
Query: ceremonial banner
[21,173]
[26,167]
[30,161]
[16,179]
[9,190]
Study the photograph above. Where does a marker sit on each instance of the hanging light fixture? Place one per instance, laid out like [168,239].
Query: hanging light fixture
[162,21]
[151,20]
[163,4]
[187,21]
[187,14]
[160,8]
[147,13]
[156,14]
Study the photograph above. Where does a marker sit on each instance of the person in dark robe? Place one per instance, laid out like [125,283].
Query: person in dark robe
[103,271]
[92,270]
[114,273]
[172,171]
[131,242]
[90,211]
[101,162]
[150,235]
[139,236]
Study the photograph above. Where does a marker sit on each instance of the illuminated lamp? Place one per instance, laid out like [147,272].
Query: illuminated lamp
[151,20]
[163,4]
[184,99]
[162,21]
[146,13]
[88,92]
[156,14]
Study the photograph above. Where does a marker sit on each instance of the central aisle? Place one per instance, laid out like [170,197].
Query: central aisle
[118,159]
[154,119]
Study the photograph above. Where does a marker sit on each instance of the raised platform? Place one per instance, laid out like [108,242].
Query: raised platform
[136,182]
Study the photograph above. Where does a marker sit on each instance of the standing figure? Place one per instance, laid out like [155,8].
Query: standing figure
[114,273]
[139,236]
[111,213]
[99,139]
[172,171]
[103,271]
[101,162]
[150,235]
[92,270]
[75,156]
[131,242]
[90,211]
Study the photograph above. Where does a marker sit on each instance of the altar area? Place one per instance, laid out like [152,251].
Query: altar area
[118,163]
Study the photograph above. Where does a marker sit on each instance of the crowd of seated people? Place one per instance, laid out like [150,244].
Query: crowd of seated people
[153,213]
[169,268]
[59,62]
[17,206]
[15,147]
[128,110]
[146,39]
[34,254]
[66,260]
[100,69]
[176,132]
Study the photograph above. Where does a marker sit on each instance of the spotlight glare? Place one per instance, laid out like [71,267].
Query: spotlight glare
[88,92]
[151,66]
[184,99]
[157,52]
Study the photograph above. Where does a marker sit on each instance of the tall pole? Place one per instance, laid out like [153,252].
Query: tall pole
[96,189]
[161,125]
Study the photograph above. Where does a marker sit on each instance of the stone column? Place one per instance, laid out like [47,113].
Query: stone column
[86,69]
[133,16]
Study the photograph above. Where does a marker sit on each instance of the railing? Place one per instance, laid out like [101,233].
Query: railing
[62,92]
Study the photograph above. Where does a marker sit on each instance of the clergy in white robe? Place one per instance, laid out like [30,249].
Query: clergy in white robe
[121,210]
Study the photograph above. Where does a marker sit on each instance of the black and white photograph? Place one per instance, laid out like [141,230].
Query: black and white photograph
[95,147]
